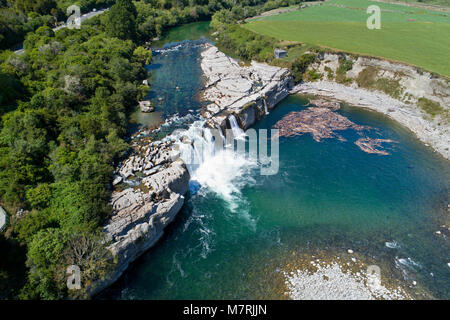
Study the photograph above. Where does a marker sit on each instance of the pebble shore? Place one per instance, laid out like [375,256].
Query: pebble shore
[331,282]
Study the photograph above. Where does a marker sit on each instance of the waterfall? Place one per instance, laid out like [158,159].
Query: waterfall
[210,165]
[209,143]
[238,133]
[265,106]
[222,136]
[194,145]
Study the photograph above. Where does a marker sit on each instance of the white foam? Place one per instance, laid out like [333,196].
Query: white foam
[238,133]
[392,245]
[221,171]
[265,107]
[408,262]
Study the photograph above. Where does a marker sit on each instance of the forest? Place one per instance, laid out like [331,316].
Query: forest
[64,107]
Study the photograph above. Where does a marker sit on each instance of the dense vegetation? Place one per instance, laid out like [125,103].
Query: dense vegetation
[64,107]
[244,43]
[68,98]
[18,17]
[156,16]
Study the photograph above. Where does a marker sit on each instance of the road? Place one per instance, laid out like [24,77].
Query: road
[82,18]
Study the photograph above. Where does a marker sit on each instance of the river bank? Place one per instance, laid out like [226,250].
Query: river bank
[428,131]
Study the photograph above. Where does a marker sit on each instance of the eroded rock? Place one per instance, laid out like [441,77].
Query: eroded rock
[374,146]
[241,90]
[322,123]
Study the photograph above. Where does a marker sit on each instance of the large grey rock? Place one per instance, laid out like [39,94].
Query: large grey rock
[241,90]
[175,178]
[140,215]
[146,106]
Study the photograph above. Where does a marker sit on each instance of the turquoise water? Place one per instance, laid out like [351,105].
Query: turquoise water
[326,197]
[175,78]
[189,31]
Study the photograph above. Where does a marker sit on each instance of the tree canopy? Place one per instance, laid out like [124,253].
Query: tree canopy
[64,107]
[122,20]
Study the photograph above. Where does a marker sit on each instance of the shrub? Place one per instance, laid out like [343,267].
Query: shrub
[390,87]
[367,77]
[300,65]
[433,108]
[344,66]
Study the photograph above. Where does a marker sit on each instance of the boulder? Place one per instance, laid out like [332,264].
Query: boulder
[241,89]
[117,180]
[146,106]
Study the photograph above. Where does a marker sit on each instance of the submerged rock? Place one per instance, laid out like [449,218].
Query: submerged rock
[324,103]
[323,123]
[370,145]
[431,131]
[320,122]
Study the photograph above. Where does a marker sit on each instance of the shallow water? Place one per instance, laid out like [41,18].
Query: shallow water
[175,79]
[190,31]
[234,235]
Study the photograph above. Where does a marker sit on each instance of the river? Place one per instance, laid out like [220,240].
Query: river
[239,232]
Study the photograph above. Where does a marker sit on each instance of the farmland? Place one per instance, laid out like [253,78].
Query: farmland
[412,35]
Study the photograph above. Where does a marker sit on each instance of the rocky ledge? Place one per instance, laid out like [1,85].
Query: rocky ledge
[152,185]
[248,92]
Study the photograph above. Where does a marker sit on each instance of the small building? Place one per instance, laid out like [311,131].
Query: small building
[280,53]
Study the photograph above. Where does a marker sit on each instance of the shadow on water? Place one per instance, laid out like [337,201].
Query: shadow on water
[191,31]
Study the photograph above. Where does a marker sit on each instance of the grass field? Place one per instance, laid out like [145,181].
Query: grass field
[424,2]
[413,35]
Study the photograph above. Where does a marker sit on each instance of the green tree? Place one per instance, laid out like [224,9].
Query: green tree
[142,55]
[39,6]
[44,256]
[121,22]
[300,65]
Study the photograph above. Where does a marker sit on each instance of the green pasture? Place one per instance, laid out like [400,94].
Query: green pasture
[413,35]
